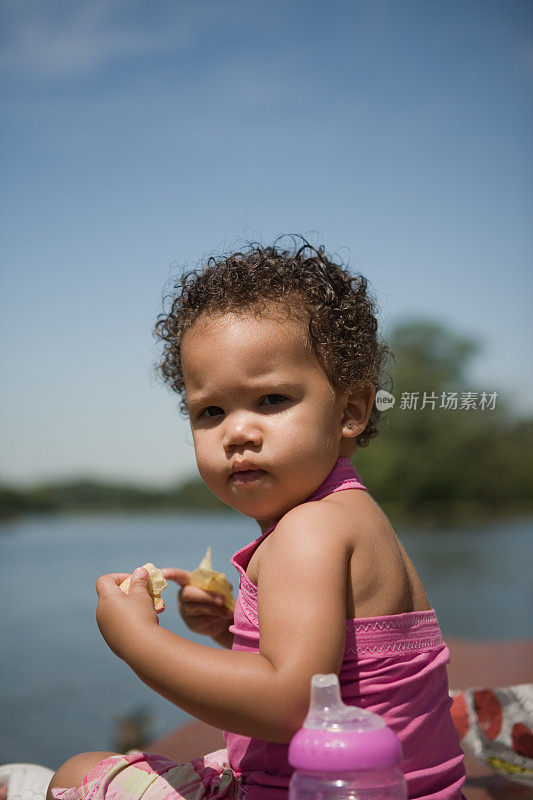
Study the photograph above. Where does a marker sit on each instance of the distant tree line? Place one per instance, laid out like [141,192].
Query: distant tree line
[432,463]
[93,495]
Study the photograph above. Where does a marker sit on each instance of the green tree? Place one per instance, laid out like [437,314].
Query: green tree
[437,464]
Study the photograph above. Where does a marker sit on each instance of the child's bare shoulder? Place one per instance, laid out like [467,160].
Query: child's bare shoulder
[306,538]
[356,515]
[308,527]
[347,514]
[341,529]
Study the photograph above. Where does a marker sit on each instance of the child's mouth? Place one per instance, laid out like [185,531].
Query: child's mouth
[247,476]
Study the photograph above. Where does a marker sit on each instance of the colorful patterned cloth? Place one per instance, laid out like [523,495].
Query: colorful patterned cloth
[152,777]
[496,726]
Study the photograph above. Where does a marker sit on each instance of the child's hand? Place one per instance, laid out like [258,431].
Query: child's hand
[202,612]
[122,617]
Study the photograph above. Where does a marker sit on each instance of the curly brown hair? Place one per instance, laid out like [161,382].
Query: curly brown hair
[340,312]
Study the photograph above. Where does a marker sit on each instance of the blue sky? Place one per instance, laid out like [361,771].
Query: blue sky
[141,136]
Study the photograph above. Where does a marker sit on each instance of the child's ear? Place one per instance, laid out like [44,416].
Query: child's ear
[357,410]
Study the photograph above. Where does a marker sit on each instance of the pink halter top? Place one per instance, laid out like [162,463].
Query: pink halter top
[394,666]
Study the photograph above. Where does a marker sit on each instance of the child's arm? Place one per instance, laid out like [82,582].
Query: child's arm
[302,614]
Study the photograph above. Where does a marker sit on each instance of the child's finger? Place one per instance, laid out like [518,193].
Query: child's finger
[105,582]
[118,577]
[180,576]
[203,610]
[139,581]
[192,594]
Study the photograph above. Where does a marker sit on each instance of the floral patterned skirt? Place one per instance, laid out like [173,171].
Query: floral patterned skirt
[153,777]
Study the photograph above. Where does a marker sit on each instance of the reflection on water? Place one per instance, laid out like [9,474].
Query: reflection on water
[63,691]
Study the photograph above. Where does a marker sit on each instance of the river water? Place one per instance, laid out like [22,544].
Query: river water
[62,691]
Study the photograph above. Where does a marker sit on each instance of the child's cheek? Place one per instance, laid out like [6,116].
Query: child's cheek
[211,476]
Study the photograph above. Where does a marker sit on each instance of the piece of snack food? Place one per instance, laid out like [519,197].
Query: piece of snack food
[206,578]
[156,584]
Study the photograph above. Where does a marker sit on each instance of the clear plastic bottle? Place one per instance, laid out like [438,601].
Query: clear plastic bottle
[344,752]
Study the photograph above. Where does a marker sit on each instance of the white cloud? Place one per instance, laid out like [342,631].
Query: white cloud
[56,40]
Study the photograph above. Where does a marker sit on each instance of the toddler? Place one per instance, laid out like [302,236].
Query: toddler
[276,357]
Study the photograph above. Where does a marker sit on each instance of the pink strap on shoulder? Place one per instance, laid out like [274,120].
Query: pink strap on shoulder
[342,476]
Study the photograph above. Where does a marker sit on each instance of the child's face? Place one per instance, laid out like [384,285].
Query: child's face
[259,399]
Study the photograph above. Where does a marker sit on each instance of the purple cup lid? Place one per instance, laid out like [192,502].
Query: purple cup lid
[323,751]
[336,737]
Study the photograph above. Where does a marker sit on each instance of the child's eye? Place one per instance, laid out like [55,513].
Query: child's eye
[211,411]
[273,399]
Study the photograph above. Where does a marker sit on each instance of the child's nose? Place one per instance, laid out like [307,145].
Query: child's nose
[241,429]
